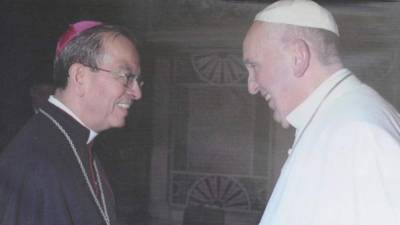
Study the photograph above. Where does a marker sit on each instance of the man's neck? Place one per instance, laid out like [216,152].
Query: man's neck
[61,103]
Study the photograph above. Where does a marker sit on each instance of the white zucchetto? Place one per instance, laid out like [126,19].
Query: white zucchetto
[304,13]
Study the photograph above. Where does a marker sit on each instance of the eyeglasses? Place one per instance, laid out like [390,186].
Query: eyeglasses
[126,77]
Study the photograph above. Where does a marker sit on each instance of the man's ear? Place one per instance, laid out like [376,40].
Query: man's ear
[77,78]
[301,52]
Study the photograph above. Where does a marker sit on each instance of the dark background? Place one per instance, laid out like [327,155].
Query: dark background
[29,32]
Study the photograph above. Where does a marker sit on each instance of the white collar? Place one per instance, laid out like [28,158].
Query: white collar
[53,100]
[299,117]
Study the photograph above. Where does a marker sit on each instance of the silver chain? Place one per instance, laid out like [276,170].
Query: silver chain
[103,210]
[317,109]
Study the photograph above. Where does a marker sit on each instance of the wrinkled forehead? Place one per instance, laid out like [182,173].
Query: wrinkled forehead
[262,38]
[266,30]
[112,39]
[121,50]
[121,54]
[252,43]
[260,34]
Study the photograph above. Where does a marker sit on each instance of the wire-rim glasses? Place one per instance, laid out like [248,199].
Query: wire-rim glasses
[126,77]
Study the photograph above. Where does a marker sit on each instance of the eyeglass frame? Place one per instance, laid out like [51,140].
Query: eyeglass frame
[130,77]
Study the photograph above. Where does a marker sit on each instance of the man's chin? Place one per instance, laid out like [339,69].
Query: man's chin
[118,124]
[285,124]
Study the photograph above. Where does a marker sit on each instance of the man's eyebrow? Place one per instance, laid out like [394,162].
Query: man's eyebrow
[246,61]
[127,68]
[249,62]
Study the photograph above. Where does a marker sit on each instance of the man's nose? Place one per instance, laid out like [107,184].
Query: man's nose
[135,90]
[252,85]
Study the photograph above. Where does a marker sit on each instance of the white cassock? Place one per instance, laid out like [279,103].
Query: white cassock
[345,169]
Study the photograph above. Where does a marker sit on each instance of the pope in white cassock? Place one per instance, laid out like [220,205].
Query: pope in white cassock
[344,165]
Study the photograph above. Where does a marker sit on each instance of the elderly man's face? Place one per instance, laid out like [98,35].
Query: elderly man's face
[108,99]
[269,72]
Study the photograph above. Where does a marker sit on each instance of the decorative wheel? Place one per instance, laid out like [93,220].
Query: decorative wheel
[219,191]
[219,68]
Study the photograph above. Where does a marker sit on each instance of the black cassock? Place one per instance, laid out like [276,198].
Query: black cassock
[41,182]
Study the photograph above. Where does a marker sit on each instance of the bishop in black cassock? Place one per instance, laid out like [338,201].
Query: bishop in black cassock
[41,182]
[48,175]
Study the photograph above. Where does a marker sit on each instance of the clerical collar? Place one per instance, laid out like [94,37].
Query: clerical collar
[299,117]
[53,100]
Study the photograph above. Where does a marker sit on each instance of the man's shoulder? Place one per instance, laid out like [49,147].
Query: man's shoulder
[35,127]
[363,106]
[33,142]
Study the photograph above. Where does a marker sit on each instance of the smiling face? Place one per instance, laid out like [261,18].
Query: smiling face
[106,98]
[270,72]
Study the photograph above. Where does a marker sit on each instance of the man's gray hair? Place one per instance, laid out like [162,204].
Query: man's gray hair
[324,43]
[87,49]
